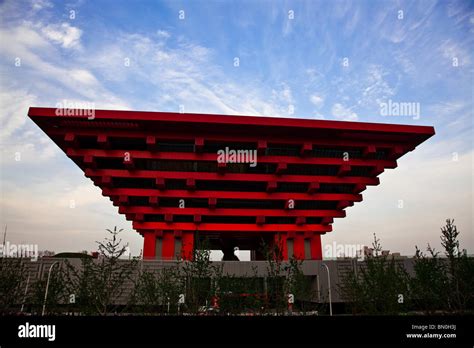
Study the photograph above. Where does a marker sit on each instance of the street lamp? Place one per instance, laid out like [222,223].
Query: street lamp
[47,286]
[26,293]
[329,288]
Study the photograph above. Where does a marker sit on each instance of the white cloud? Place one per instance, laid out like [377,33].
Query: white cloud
[451,50]
[283,93]
[41,4]
[317,100]
[405,63]
[50,79]
[456,115]
[18,142]
[163,34]
[287,27]
[84,77]
[64,219]
[14,105]
[64,34]
[352,22]
[313,74]
[342,113]
[185,74]
[365,88]
[57,77]
[20,36]
[378,87]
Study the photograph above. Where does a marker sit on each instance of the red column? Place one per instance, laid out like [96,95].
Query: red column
[298,246]
[167,252]
[316,248]
[149,251]
[187,246]
[280,240]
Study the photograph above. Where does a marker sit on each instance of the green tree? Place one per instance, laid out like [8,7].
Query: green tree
[460,269]
[429,285]
[57,291]
[99,284]
[201,277]
[297,283]
[276,289]
[154,290]
[378,286]
[13,277]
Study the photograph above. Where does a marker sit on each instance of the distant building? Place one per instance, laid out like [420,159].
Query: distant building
[46,253]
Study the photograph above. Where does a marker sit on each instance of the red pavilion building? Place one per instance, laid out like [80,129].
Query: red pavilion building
[163,172]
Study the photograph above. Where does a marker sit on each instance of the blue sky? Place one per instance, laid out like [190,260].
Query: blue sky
[334,60]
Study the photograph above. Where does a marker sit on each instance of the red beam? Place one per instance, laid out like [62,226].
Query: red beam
[189,226]
[169,135]
[230,212]
[232,194]
[230,176]
[191,156]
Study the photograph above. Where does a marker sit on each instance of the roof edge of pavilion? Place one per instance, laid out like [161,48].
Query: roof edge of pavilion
[267,121]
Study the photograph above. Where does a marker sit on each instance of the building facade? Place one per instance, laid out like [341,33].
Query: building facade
[232,181]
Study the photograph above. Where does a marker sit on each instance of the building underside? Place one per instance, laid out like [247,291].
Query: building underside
[162,171]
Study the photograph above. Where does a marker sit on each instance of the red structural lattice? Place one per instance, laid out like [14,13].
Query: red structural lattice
[161,170]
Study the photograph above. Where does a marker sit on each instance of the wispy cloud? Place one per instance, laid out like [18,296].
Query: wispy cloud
[316,100]
[63,34]
[343,113]
[454,53]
